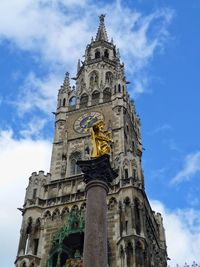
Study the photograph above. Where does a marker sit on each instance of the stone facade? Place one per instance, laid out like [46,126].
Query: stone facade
[52,228]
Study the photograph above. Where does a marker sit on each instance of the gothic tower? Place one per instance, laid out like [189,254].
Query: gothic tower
[52,230]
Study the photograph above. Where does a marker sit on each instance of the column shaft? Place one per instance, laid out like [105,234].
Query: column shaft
[95,242]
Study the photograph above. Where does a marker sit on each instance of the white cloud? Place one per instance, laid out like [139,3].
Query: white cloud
[190,167]
[162,128]
[182,234]
[33,128]
[18,159]
[39,93]
[58,31]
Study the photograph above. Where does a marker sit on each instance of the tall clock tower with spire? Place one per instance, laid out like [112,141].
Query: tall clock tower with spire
[52,230]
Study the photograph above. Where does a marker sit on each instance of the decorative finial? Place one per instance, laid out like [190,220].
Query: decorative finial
[101,18]
[101,33]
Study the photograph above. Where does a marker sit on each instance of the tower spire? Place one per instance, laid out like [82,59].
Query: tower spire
[101,33]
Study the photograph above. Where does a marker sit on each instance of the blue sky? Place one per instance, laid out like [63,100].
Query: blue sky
[159,43]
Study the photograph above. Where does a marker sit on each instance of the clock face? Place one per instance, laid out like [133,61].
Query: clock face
[85,122]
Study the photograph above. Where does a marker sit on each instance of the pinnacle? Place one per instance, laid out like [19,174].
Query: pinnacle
[101,33]
[66,80]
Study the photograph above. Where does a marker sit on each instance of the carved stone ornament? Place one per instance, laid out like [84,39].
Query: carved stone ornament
[97,169]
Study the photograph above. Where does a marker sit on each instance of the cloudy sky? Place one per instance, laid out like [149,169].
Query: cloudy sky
[159,43]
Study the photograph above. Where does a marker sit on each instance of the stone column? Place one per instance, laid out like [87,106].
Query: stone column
[95,242]
[98,175]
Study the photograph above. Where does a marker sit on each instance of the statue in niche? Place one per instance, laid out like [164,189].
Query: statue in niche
[101,141]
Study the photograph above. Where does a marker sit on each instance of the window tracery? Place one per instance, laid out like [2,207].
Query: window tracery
[109,77]
[74,168]
[94,78]
[106,95]
[95,97]
[84,100]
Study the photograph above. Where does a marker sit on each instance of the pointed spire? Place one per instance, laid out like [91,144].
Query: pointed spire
[101,33]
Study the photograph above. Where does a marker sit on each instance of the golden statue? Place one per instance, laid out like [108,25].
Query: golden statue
[101,141]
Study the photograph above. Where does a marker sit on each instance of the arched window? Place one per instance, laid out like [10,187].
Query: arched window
[95,97]
[137,217]
[28,235]
[126,173]
[64,102]
[139,254]
[64,212]
[55,214]
[106,53]
[84,100]
[47,214]
[83,206]
[24,264]
[122,256]
[74,168]
[109,77]
[115,89]
[112,203]
[97,54]
[106,95]
[72,101]
[94,78]
[119,88]
[129,250]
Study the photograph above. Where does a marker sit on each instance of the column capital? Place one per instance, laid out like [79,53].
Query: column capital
[98,169]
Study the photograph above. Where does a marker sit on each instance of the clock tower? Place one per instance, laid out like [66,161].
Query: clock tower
[52,231]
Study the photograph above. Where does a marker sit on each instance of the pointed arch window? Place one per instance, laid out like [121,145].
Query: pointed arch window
[106,53]
[139,254]
[129,250]
[119,88]
[72,103]
[106,95]
[94,78]
[97,54]
[137,217]
[109,77]
[95,97]
[74,168]
[28,235]
[122,256]
[64,102]
[84,100]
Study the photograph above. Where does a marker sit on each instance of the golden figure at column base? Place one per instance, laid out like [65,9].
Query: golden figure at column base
[101,141]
